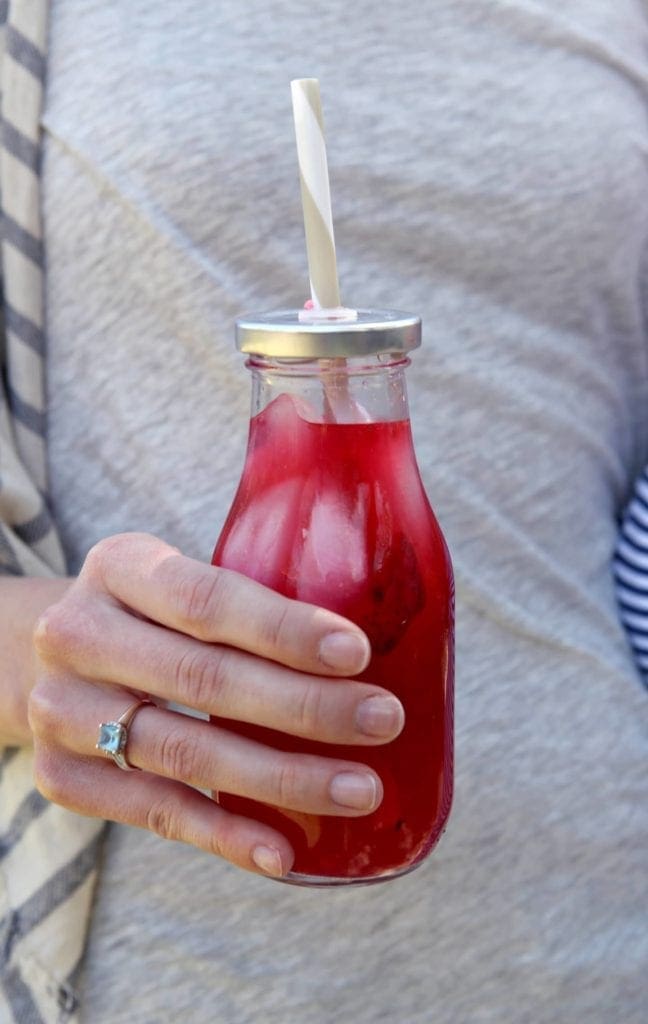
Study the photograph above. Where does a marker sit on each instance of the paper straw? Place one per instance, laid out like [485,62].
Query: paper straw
[315,192]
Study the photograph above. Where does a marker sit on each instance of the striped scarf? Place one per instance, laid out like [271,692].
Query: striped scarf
[47,855]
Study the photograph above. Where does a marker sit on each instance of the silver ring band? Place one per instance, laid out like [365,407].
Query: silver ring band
[113,736]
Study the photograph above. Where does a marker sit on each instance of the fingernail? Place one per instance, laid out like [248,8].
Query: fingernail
[345,652]
[268,860]
[354,789]
[380,716]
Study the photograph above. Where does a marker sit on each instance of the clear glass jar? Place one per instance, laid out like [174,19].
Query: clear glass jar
[331,510]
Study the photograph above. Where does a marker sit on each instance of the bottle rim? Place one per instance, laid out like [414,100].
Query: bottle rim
[356,366]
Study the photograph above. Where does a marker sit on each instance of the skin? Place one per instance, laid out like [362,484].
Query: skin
[143,620]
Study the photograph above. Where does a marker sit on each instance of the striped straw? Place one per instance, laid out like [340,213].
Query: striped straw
[315,192]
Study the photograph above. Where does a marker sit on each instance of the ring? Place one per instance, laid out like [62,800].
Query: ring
[113,736]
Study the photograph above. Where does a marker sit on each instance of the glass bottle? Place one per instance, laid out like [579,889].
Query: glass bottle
[331,510]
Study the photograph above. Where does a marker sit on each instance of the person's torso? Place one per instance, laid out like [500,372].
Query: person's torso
[488,171]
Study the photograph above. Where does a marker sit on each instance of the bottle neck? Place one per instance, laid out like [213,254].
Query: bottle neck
[369,389]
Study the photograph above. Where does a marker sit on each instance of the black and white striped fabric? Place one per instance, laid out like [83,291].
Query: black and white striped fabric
[47,855]
[631,573]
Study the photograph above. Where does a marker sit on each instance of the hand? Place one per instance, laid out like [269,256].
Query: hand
[144,620]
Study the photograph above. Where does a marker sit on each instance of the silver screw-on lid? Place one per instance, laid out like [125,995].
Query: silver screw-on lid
[292,334]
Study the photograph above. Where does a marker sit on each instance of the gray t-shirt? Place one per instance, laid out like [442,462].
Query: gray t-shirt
[488,166]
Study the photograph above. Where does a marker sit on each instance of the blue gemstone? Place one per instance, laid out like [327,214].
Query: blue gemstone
[111,737]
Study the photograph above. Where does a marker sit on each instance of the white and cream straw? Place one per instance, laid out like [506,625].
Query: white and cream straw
[316,195]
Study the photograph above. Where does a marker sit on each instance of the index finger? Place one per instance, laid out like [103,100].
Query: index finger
[218,605]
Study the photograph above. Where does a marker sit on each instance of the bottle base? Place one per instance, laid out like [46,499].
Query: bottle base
[330,882]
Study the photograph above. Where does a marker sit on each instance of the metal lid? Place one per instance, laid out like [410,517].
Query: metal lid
[294,334]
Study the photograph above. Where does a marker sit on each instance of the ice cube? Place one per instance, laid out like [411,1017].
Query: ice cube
[333,559]
[260,541]
[281,440]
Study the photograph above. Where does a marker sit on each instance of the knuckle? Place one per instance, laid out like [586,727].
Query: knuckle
[308,709]
[162,818]
[44,709]
[55,630]
[288,784]
[101,552]
[199,599]
[201,677]
[276,630]
[219,843]
[50,777]
[111,550]
[177,755]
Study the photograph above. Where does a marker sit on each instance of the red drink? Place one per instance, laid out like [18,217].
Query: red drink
[335,513]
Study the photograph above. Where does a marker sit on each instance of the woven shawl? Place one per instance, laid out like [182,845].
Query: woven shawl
[47,854]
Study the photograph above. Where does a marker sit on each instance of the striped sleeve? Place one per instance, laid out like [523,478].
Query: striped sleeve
[631,573]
